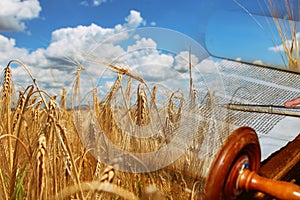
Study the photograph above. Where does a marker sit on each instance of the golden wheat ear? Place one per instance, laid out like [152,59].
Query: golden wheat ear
[41,166]
[287,33]
[63,100]
[6,88]
[108,174]
[142,111]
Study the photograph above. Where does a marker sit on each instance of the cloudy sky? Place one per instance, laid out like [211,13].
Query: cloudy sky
[151,37]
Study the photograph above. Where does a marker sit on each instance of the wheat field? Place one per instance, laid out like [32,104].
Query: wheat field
[43,156]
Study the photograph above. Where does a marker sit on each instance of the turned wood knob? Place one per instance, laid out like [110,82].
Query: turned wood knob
[250,180]
[235,167]
[241,147]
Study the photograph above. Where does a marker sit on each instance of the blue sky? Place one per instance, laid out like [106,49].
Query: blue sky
[43,33]
[189,17]
[55,14]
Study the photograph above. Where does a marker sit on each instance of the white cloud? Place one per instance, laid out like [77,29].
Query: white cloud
[13,13]
[98,2]
[258,62]
[93,3]
[287,44]
[278,48]
[238,59]
[142,44]
[9,50]
[134,19]
[146,60]
[78,42]
[90,46]
[82,44]
[182,61]
[153,23]
[84,3]
[71,41]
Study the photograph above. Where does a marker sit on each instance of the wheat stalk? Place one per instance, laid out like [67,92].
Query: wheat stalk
[63,100]
[124,71]
[55,149]
[142,111]
[41,167]
[3,185]
[31,76]
[7,86]
[153,96]
[64,142]
[95,186]
[128,89]
[23,102]
[114,88]
[174,112]
[6,97]
[95,100]
[286,33]
[18,112]
[108,175]
[152,193]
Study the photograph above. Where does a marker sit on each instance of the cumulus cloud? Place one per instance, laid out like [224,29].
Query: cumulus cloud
[258,62]
[153,23]
[142,43]
[75,43]
[147,61]
[98,2]
[70,47]
[182,61]
[134,19]
[9,50]
[287,44]
[14,13]
[78,42]
[93,2]
[90,46]
[280,48]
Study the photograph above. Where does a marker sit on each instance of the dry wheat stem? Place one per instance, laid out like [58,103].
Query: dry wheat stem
[3,185]
[18,113]
[68,149]
[82,158]
[142,112]
[96,186]
[41,167]
[174,114]
[6,95]
[22,144]
[153,96]
[124,71]
[6,90]
[114,88]
[21,106]
[63,100]
[127,104]
[194,189]
[128,89]
[108,175]
[50,142]
[31,76]
[291,51]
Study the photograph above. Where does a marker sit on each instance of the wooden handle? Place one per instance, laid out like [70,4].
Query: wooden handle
[249,180]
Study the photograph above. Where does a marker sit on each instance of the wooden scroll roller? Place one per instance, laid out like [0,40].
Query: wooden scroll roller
[235,168]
